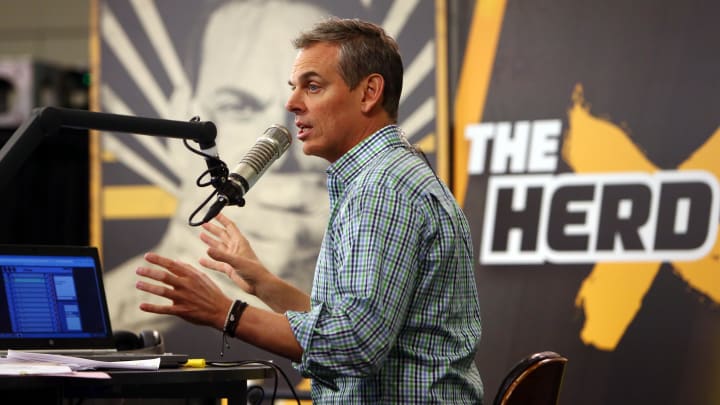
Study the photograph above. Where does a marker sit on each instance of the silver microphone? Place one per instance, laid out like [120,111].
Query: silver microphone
[268,148]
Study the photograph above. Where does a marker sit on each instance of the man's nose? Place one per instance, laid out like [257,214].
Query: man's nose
[293,102]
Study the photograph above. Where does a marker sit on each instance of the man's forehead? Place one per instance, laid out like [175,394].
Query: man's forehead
[305,76]
[316,60]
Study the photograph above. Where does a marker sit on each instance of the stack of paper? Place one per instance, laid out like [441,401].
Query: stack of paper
[31,363]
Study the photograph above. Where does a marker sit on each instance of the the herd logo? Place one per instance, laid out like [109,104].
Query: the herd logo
[617,210]
[609,216]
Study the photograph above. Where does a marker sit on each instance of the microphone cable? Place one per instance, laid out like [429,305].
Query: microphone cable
[217,171]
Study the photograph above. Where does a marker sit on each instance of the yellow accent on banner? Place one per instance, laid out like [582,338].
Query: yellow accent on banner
[611,297]
[612,294]
[137,202]
[595,145]
[474,81]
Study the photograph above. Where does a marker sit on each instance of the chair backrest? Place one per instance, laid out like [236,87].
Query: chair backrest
[535,380]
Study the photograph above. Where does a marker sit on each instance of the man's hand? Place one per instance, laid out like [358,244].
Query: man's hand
[195,297]
[230,253]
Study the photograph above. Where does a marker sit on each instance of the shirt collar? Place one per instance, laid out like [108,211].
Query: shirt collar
[348,165]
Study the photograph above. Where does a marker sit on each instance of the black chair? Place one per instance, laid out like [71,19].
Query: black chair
[535,380]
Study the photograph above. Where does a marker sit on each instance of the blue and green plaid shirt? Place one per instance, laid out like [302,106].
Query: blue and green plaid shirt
[394,313]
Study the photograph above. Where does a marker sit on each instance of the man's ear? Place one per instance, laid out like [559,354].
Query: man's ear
[372,92]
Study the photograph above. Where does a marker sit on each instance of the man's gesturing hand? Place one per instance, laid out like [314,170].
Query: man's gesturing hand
[230,253]
[194,296]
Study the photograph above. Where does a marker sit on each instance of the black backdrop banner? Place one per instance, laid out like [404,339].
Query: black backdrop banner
[585,154]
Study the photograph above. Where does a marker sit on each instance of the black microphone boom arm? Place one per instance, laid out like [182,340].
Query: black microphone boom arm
[49,120]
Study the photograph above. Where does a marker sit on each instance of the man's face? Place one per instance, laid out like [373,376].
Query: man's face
[327,113]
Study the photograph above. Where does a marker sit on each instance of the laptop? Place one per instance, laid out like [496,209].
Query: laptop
[52,300]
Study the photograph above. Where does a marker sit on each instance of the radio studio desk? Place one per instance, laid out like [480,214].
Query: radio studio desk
[208,383]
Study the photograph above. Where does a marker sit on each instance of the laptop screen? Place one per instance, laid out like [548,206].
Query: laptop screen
[52,297]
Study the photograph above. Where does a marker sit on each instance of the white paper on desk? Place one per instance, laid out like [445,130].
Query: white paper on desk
[21,368]
[11,367]
[77,363]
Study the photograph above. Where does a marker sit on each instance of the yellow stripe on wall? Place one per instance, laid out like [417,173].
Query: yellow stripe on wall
[95,165]
[474,81]
[137,202]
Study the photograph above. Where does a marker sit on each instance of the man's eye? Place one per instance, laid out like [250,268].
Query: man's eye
[313,87]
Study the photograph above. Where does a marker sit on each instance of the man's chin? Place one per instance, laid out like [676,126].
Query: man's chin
[319,153]
[309,149]
[306,149]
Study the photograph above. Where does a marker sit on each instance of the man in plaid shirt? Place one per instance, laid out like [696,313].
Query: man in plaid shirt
[393,316]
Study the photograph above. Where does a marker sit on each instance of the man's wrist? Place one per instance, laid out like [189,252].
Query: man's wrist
[233,317]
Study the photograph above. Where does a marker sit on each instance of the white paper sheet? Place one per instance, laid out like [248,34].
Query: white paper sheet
[27,368]
[12,367]
[77,363]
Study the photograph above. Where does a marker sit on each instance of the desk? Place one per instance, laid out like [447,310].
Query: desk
[215,382]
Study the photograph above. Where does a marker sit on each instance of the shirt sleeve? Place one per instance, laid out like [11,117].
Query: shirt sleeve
[376,240]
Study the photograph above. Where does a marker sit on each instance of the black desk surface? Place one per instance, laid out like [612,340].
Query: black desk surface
[216,382]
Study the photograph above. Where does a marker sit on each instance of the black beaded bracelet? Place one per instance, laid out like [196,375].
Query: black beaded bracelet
[233,317]
[231,321]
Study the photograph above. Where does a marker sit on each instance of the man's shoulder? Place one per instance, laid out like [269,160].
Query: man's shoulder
[396,167]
